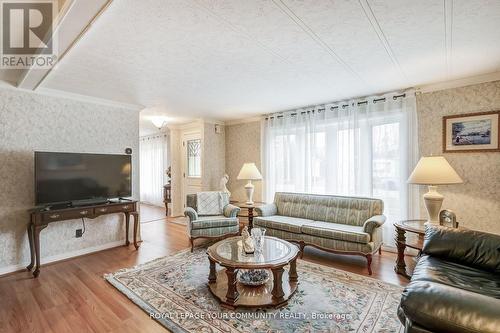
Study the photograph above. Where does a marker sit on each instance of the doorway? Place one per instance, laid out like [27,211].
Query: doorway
[191,164]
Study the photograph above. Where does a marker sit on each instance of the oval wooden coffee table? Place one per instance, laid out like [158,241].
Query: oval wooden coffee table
[276,254]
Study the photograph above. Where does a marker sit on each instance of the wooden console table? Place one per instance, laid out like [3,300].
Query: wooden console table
[40,218]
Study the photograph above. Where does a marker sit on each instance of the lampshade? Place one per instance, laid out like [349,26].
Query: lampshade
[434,170]
[250,172]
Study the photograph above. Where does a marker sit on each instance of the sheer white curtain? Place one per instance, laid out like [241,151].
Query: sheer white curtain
[363,148]
[153,163]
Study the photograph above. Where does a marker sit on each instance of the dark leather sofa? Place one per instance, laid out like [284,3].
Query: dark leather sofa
[455,286]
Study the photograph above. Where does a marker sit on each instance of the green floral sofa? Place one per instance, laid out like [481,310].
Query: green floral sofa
[345,225]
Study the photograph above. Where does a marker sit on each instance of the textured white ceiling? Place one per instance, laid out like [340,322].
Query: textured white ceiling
[232,59]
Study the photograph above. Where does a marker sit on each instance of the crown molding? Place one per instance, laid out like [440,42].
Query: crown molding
[214,121]
[196,123]
[73,21]
[462,82]
[67,95]
[189,124]
[243,121]
[84,98]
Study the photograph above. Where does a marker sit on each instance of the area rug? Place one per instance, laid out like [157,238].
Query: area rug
[173,290]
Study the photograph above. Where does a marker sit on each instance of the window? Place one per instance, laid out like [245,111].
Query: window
[386,167]
[194,158]
[153,162]
[362,150]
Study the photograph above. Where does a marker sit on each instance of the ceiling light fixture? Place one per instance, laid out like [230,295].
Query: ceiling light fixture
[159,122]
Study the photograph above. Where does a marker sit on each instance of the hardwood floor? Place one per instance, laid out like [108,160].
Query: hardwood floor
[72,296]
[151,213]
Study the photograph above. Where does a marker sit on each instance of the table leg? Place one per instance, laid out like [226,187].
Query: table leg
[278,283]
[232,292]
[212,276]
[36,239]
[292,274]
[127,227]
[250,218]
[136,228]
[400,267]
[32,248]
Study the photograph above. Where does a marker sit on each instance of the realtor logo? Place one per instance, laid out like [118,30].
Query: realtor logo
[27,33]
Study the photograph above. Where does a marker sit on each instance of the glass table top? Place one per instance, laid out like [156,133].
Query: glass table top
[274,250]
[413,225]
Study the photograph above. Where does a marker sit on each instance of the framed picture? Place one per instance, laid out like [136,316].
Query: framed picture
[471,132]
[448,218]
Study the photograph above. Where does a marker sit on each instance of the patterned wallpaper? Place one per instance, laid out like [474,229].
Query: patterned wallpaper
[213,157]
[29,122]
[175,162]
[477,201]
[243,145]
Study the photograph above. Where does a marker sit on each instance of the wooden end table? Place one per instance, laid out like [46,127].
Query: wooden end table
[402,227]
[249,208]
[276,254]
[167,196]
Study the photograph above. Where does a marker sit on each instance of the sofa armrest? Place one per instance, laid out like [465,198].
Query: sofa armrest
[267,210]
[191,213]
[372,223]
[231,210]
[442,308]
[472,248]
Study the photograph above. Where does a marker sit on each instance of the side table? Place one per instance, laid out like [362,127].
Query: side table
[402,227]
[249,208]
[167,196]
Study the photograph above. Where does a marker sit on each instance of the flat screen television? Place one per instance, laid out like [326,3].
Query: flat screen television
[73,177]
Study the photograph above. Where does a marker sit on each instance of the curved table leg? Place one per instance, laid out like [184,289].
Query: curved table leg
[36,239]
[127,226]
[212,276]
[292,274]
[400,267]
[32,248]
[278,284]
[136,227]
[232,291]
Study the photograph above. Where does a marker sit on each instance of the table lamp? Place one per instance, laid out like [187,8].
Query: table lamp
[249,172]
[433,171]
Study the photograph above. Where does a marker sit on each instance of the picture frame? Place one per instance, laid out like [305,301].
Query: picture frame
[448,218]
[472,132]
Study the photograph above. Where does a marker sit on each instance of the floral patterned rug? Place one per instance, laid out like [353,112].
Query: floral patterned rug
[173,290]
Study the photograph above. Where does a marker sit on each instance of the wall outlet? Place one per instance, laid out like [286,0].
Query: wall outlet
[79,233]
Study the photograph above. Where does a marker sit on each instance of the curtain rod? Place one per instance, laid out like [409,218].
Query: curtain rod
[154,136]
[395,97]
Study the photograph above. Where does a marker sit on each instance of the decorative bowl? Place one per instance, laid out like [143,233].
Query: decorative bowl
[253,277]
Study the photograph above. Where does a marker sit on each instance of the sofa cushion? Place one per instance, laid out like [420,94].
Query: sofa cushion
[337,231]
[432,269]
[285,223]
[468,247]
[442,308]
[214,232]
[206,222]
